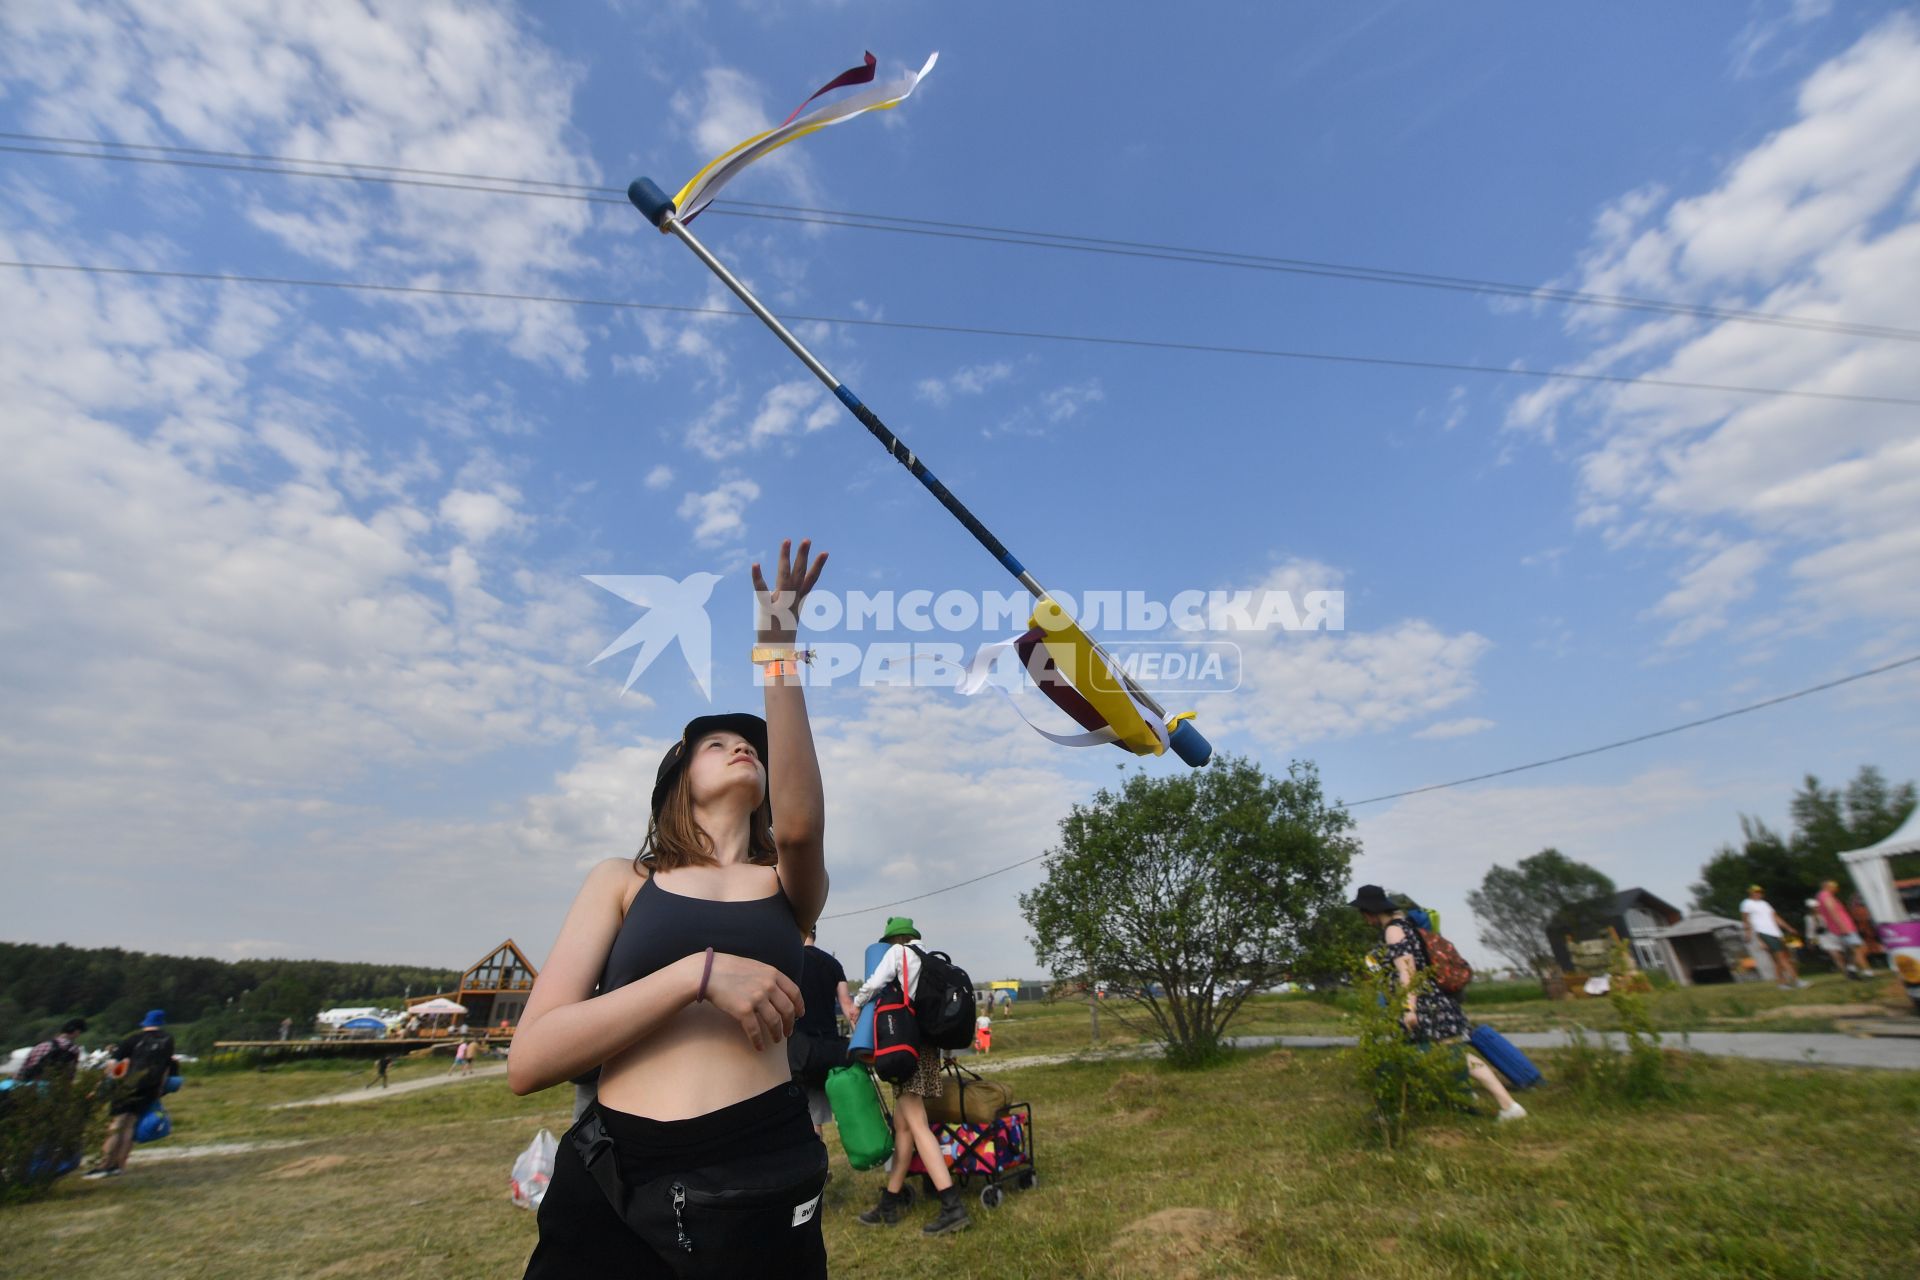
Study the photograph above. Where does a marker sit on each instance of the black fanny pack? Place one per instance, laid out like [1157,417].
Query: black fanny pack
[713,1222]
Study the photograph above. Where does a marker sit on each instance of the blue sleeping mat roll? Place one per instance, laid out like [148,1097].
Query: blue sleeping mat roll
[1504,1058]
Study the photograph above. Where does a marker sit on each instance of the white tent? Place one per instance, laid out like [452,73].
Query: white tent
[334,1017]
[1872,871]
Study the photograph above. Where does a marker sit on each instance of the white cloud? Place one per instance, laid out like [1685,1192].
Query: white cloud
[1066,402]
[1455,728]
[659,477]
[1300,687]
[798,406]
[479,516]
[431,83]
[718,516]
[1709,590]
[1816,220]
[970,380]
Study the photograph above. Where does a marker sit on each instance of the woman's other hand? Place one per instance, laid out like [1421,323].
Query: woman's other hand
[777,618]
[758,996]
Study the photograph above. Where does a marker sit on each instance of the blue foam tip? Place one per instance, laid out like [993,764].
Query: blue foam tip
[650,200]
[1190,744]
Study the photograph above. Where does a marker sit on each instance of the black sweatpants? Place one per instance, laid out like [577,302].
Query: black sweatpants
[582,1236]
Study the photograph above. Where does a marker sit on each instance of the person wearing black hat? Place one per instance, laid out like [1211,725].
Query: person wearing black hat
[676,973]
[1431,1016]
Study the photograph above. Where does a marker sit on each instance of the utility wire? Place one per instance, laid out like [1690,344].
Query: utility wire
[497,185]
[1479,777]
[1645,737]
[842,915]
[1032,335]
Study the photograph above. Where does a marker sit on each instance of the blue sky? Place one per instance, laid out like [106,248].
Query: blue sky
[297,644]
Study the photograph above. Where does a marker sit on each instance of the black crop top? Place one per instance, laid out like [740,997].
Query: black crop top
[662,927]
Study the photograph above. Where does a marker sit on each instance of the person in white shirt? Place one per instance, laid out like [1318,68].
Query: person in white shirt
[1763,924]
[911,1130]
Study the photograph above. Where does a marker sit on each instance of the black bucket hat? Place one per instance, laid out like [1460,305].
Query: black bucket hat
[750,727]
[1373,898]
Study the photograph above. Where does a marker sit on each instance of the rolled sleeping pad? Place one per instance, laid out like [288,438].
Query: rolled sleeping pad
[1503,1057]
[650,200]
[860,1048]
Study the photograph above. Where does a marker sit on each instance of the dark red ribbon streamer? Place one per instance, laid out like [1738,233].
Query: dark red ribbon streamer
[858,75]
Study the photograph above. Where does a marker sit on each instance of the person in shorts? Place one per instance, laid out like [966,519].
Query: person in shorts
[911,1130]
[1764,925]
[1838,921]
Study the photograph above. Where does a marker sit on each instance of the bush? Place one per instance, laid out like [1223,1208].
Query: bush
[1405,1081]
[45,1127]
[1641,1074]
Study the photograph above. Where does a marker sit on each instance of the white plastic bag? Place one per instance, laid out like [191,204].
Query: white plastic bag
[532,1171]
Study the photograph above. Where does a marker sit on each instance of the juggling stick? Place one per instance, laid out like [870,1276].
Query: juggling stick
[1064,638]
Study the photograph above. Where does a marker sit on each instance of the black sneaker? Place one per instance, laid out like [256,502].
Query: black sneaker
[887,1212]
[952,1216]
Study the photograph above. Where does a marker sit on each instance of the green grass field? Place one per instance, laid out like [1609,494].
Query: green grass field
[1265,1167]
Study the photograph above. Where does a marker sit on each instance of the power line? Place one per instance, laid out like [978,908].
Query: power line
[1645,737]
[1030,335]
[841,915]
[1480,777]
[494,184]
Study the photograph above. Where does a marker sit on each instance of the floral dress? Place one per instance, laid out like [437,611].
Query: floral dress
[1438,1014]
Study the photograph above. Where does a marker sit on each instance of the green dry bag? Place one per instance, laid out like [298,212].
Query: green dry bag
[864,1130]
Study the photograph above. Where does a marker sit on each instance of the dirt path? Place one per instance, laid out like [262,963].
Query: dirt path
[1800,1048]
[364,1094]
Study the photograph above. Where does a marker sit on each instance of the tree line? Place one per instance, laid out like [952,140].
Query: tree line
[1520,907]
[205,999]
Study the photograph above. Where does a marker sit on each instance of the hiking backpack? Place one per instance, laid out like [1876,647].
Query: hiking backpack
[945,1004]
[1451,972]
[59,1060]
[149,1061]
[896,1034]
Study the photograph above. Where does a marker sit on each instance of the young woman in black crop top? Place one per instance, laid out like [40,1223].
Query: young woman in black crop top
[676,973]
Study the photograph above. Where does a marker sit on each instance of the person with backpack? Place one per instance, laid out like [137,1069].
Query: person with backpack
[905,964]
[676,973]
[1432,1013]
[140,1065]
[58,1057]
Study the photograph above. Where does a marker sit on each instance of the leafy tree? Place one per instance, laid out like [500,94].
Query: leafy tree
[1826,823]
[1519,907]
[1763,858]
[1185,894]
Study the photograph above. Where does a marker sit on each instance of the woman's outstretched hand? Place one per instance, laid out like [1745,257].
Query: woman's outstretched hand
[777,619]
[758,996]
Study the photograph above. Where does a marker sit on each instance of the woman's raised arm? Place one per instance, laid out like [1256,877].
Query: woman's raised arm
[793,771]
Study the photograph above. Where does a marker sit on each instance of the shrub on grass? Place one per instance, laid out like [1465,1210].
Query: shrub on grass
[1642,1073]
[45,1126]
[1406,1082]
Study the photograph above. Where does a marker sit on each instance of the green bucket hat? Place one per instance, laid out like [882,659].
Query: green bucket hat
[897,925]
